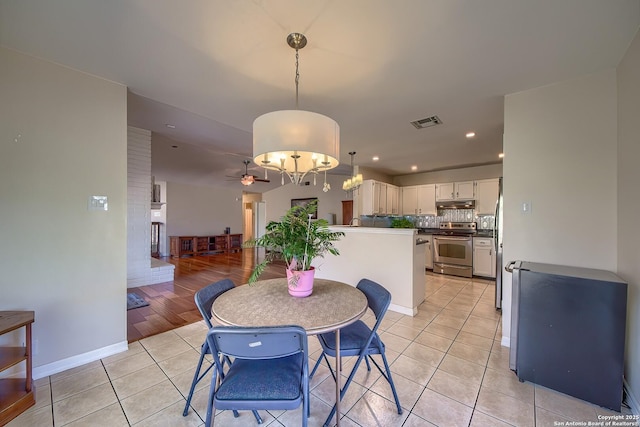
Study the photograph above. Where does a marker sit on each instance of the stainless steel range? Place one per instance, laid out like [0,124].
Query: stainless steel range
[453,249]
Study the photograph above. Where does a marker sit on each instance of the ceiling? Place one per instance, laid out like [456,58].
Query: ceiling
[210,67]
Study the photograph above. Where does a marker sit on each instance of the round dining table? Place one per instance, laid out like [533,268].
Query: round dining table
[332,306]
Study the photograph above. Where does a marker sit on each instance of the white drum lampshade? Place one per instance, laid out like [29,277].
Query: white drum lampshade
[296,142]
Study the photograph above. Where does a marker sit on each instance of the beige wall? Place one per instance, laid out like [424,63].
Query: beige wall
[278,200]
[450,175]
[629,205]
[202,211]
[57,258]
[562,160]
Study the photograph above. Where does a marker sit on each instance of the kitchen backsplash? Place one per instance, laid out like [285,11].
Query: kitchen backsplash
[484,222]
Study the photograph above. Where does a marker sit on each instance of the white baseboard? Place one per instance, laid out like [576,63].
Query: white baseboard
[403,310]
[632,400]
[505,341]
[78,360]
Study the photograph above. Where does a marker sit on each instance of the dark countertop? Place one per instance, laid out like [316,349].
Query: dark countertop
[428,230]
[484,233]
[479,233]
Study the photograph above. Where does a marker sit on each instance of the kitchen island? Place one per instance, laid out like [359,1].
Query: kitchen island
[388,256]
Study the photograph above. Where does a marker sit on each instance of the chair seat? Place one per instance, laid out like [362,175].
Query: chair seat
[352,338]
[262,380]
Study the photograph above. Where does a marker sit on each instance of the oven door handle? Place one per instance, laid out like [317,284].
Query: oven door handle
[466,239]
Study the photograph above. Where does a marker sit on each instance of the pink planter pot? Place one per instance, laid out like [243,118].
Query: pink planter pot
[300,282]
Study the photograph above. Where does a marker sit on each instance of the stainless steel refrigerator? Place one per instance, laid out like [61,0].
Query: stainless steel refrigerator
[497,239]
[568,330]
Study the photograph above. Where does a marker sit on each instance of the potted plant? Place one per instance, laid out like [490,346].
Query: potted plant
[298,240]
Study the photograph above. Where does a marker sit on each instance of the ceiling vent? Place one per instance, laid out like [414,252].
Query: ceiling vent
[426,123]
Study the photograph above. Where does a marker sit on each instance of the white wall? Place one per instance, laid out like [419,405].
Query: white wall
[560,155]
[279,200]
[138,207]
[202,211]
[57,258]
[629,205]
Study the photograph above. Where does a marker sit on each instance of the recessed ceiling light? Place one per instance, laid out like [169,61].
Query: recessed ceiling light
[170,126]
[470,134]
[501,155]
[414,168]
[376,158]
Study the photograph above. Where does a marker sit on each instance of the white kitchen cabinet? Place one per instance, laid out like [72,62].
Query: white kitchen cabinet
[429,251]
[487,196]
[419,200]
[427,199]
[445,191]
[410,200]
[455,191]
[484,257]
[373,196]
[393,200]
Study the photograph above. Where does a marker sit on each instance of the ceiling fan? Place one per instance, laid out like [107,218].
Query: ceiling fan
[247,179]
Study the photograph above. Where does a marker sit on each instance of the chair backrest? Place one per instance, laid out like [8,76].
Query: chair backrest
[378,298]
[258,343]
[205,297]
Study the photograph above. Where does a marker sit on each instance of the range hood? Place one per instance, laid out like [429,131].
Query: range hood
[456,204]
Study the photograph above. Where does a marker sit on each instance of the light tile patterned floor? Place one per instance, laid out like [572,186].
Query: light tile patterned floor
[448,367]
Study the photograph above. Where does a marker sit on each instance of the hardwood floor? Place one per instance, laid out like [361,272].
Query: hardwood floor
[171,304]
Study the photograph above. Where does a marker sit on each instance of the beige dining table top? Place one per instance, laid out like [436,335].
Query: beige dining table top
[331,306]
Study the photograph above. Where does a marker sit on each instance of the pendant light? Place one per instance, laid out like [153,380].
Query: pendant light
[296,142]
[355,181]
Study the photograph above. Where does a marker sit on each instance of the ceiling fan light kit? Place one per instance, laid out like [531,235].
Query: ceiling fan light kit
[247,179]
[296,142]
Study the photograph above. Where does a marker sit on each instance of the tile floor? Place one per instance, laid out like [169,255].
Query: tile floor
[447,362]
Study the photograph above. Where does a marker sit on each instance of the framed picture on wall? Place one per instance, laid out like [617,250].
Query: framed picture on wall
[304,203]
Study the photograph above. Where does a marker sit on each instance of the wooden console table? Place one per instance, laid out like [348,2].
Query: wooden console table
[16,394]
[198,245]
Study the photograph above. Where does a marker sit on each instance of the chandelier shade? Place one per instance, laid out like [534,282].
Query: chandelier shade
[296,142]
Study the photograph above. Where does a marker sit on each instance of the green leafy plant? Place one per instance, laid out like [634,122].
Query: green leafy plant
[401,223]
[296,238]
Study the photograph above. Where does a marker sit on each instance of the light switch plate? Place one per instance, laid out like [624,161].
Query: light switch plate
[526,207]
[98,203]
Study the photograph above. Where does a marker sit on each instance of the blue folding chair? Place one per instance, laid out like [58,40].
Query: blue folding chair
[358,340]
[269,370]
[204,299]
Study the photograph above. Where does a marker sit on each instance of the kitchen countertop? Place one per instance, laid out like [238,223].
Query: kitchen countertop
[479,233]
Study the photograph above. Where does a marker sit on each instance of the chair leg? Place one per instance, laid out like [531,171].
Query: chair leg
[196,380]
[390,380]
[315,367]
[344,388]
[210,409]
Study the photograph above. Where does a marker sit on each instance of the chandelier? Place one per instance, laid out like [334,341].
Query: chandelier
[355,181]
[296,142]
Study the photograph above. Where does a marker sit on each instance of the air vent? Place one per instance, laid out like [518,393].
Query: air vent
[428,122]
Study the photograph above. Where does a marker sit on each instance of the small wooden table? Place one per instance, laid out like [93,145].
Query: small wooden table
[16,394]
[332,306]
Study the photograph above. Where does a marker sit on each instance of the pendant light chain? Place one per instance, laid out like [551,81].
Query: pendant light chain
[297,79]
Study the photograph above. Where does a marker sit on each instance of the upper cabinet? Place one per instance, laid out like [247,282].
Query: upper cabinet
[455,191]
[393,200]
[379,198]
[410,200]
[419,200]
[487,196]
[427,199]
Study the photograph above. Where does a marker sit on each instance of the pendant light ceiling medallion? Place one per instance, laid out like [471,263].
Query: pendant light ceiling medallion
[296,142]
